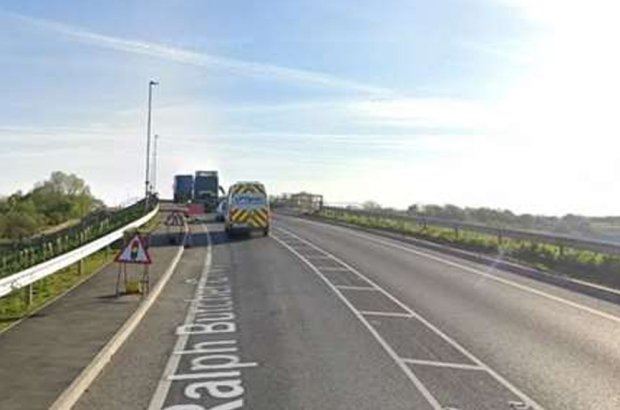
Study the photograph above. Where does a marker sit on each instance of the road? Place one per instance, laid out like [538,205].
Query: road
[324,317]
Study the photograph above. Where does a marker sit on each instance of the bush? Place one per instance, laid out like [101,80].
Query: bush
[595,266]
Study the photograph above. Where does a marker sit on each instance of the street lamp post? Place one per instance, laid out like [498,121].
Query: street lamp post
[148,143]
[154,178]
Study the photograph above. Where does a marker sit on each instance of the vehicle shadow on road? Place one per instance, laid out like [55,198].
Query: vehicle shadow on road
[196,239]
[199,239]
[220,237]
[174,238]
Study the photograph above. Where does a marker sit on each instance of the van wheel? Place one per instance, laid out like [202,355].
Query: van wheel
[265,232]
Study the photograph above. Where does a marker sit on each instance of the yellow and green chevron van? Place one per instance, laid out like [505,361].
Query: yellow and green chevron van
[248,208]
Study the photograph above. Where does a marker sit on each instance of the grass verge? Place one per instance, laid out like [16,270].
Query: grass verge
[595,267]
[14,306]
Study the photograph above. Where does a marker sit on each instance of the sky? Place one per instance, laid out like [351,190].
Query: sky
[499,103]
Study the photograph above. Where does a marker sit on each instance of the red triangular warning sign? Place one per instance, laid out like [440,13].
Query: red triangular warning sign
[134,252]
[174,219]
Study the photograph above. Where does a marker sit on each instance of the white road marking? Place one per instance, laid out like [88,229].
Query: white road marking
[83,381]
[595,286]
[428,324]
[433,363]
[348,287]
[406,369]
[470,269]
[388,314]
[312,255]
[161,392]
[332,268]
[201,376]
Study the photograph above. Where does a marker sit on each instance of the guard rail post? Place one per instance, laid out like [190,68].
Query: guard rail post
[28,293]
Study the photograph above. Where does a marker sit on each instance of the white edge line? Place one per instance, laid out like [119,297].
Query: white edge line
[594,285]
[161,391]
[332,269]
[406,369]
[72,394]
[435,329]
[469,269]
[433,363]
[387,314]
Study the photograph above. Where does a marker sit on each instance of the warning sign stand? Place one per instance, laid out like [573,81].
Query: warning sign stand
[134,251]
[175,219]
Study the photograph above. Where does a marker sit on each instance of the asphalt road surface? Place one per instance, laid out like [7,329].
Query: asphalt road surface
[323,317]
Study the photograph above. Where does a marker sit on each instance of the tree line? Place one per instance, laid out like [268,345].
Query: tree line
[59,199]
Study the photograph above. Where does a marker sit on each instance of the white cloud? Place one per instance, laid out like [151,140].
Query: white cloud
[425,112]
[199,59]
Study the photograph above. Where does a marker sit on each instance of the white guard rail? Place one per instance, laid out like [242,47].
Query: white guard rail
[34,273]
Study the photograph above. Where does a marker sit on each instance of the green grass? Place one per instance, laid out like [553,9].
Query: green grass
[582,264]
[13,307]
[151,225]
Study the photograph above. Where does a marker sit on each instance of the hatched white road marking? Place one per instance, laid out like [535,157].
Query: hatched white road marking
[414,314]
[404,367]
[332,268]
